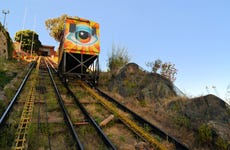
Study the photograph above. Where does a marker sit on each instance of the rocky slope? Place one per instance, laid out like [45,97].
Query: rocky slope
[132,81]
[200,123]
[6,44]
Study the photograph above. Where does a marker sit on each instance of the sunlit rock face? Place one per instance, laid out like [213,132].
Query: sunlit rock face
[3,45]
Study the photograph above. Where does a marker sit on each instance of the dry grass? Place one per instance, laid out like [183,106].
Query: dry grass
[121,137]
[157,113]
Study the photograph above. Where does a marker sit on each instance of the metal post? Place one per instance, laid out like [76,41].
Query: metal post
[5,13]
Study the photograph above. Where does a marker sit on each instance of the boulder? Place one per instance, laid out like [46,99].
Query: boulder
[132,81]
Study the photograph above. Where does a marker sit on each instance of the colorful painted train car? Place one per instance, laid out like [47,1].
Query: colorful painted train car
[79,49]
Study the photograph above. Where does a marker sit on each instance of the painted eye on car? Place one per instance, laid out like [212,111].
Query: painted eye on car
[83,35]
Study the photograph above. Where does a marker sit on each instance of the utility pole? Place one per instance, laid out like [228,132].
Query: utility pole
[5,13]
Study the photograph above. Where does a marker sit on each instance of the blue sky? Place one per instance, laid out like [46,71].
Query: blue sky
[194,35]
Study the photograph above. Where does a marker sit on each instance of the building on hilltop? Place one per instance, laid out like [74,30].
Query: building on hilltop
[46,50]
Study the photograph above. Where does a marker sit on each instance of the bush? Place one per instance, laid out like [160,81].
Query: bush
[182,120]
[204,135]
[2,107]
[7,136]
[9,93]
[221,144]
[4,79]
[118,58]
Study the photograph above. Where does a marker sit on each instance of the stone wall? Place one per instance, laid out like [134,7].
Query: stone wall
[3,45]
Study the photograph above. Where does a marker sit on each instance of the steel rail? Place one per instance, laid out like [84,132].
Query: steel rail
[96,126]
[98,129]
[154,129]
[50,63]
[66,116]
[9,107]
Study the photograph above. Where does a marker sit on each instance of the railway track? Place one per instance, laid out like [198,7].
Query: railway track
[34,120]
[133,120]
[130,123]
[106,141]
[138,124]
[143,122]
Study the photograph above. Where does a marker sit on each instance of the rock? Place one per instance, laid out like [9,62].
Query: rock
[141,146]
[2,96]
[11,74]
[131,80]
[220,129]
[207,108]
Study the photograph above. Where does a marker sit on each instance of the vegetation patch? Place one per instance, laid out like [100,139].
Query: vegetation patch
[207,137]
[182,120]
[7,136]
[2,106]
[204,134]
[5,78]
[221,144]
[9,93]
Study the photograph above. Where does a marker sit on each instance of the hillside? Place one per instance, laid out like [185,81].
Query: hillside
[6,44]
[10,70]
[200,123]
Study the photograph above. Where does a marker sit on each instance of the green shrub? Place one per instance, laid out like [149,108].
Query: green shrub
[4,79]
[122,138]
[33,139]
[9,93]
[118,58]
[7,136]
[204,135]
[2,106]
[221,144]
[182,120]
[143,103]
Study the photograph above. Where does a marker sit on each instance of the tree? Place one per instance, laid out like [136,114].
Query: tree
[56,26]
[167,70]
[118,58]
[155,66]
[28,37]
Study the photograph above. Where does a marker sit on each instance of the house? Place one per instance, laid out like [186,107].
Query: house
[46,50]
